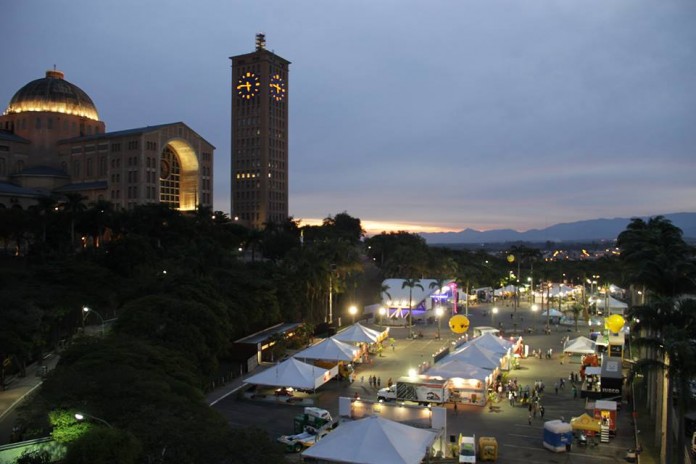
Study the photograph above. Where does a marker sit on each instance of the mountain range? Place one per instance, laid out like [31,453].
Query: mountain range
[580,231]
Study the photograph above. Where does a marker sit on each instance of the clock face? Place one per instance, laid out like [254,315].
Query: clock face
[248,85]
[277,86]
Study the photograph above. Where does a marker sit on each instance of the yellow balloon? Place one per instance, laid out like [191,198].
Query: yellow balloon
[614,323]
[459,324]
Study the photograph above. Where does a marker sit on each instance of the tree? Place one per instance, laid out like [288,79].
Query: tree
[656,257]
[73,207]
[411,283]
[664,330]
[576,309]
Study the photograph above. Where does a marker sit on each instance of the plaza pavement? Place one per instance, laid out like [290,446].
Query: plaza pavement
[518,441]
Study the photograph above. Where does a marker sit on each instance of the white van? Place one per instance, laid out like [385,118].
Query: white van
[467,449]
[483,329]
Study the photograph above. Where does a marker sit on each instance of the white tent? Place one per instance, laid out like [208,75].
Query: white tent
[611,305]
[329,350]
[492,343]
[357,333]
[458,368]
[580,345]
[396,294]
[552,312]
[478,356]
[293,373]
[373,440]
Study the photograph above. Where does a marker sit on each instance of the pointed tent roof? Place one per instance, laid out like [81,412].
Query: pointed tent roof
[329,350]
[580,345]
[458,368]
[357,333]
[478,356]
[373,440]
[397,295]
[585,422]
[292,373]
[492,343]
[610,302]
[553,312]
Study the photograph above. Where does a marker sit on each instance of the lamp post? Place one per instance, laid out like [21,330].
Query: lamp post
[81,416]
[353,311]
[439,311]
[494,311]
[85,313]
[382,311]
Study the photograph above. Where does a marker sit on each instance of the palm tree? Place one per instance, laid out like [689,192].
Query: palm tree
[73,206]
[664,329]
[411,283]
[576,309]
[657,257]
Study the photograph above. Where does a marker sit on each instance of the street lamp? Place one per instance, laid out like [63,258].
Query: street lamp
[353,311]
[439,311]
[494,311]
[81,416]
[382,312]
[85,313]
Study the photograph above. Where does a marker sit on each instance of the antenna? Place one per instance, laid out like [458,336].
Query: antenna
[260,41]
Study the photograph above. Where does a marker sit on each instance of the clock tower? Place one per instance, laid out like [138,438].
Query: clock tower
[259,153]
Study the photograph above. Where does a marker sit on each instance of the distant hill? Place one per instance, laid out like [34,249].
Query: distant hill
[590,230]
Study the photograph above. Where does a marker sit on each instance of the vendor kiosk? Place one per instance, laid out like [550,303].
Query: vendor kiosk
[611,377]
[558,436]
[605,413]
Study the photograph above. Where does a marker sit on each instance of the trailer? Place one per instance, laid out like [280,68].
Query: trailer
[421,389]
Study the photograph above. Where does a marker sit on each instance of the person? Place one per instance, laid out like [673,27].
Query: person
[529,419]
[575,392]
[379,382]
[389,382]
[362,379]
[541,411]
[555,387]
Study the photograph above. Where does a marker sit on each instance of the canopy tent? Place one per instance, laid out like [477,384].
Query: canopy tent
[373,440]
[357,333]
[490,342]
[458,368]
[396,295]
[552,312]
[580,345]
[585,422]
[507,289]
[330,350]
[293,373]
[610,305]
[478,356]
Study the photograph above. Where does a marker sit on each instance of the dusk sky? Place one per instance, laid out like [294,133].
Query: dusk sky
[411,115]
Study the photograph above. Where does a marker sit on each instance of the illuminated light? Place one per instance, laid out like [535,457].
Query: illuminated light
[412,372]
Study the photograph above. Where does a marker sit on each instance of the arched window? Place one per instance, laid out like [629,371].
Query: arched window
[170,172]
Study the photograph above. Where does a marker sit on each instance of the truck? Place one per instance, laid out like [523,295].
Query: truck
[467,448]
[300,441]
[314,418]
[421,389]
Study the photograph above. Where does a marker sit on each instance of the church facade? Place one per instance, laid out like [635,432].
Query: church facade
[52,142]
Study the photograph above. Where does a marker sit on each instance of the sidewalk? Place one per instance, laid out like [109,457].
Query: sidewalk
[17,388]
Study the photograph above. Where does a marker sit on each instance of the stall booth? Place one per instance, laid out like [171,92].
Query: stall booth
[558,436]
[585,425]
[605,413]
[611,378]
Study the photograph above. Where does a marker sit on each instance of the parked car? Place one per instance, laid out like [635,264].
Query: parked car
[285,391]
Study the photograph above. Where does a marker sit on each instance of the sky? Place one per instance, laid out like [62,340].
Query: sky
[422,116]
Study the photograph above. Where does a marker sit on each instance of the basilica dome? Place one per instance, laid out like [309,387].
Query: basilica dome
[53,94]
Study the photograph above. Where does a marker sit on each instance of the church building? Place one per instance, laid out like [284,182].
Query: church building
[52,142]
